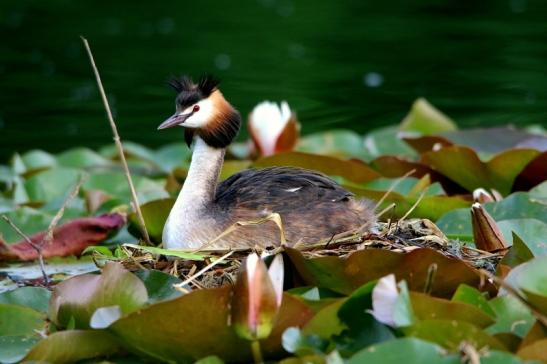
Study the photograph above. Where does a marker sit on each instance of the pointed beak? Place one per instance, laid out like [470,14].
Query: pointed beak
[176,119]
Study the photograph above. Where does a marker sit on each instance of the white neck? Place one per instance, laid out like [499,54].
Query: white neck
[194,198]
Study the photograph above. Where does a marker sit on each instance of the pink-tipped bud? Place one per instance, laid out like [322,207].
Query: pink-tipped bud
[273,128]
[257,297]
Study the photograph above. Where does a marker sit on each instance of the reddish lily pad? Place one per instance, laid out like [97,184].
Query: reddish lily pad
[77,298]
[393,166]
[68,239]
[197,325]
[533,174]
[346,274]
[72,346]
[463,166]
[352,170]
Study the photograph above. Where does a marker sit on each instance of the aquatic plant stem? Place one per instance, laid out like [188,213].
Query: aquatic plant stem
[48,237]
[36,247]
[257,352]
[118,143]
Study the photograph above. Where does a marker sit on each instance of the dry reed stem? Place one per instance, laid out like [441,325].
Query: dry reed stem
[392,187]
[275,217]
[179,286]
[413,206]
[36,247]
[48,237]
[512,291]
[118,143]
[59,215]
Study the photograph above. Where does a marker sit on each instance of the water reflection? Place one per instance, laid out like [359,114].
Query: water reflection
[353,64]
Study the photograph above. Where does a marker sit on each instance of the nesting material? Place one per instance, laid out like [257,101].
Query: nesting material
[403,236]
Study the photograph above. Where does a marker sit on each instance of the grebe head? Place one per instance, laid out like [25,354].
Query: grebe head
[202,110]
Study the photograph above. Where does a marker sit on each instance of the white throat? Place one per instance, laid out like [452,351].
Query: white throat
[190,210]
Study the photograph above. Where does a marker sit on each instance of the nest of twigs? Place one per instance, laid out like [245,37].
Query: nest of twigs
[403,236]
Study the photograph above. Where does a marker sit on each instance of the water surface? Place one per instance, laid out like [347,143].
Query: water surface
[340,64]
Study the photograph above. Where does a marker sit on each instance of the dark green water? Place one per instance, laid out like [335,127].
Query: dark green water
[340,64]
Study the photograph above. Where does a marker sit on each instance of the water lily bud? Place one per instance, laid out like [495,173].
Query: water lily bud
[256,299]
[273,128]
[486,232]
[384,297]
[482,196]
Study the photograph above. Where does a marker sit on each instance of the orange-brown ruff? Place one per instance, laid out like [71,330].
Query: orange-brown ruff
[312,206]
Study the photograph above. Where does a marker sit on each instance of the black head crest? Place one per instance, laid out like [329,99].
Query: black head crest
[180,84]
[207,84]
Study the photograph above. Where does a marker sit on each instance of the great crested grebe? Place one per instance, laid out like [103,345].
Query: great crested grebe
[312,206]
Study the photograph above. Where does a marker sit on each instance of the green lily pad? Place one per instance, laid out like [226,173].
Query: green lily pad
[539,193]
[519,205]
[496,139]
[35,160]
[52,183]
[362,328]
[326,322]
[387,141]
[424,118]
[77,298]
[155,214]
[429,308]
[159,285]
[82,158]
[336,143]
[14,348]
[19,320]
[463,166]
[518,254]
[532,232]
[72,346]
[531,278]
[405,350]
[451,333]
[172,156]
[34,297]
[131,150]
[352,170]
[115,184]
[29,220]
[512,316]
[473,296]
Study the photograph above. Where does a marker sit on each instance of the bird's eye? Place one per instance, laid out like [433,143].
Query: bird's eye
[196,108]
